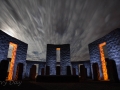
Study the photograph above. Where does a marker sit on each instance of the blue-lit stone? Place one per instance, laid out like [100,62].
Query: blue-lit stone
[20,54]
[113,49]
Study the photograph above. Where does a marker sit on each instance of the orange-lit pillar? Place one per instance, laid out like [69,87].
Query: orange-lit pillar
[12,61]
[104,69]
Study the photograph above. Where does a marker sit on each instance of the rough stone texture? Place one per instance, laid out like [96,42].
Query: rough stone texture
[41,65]
[29,65]
[88,67]
[85,63]
[75,65]
[51,58]
[113,49]
[64,58]
[5,39]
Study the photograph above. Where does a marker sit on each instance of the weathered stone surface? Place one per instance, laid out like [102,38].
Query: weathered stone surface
[21,52]
[113,50]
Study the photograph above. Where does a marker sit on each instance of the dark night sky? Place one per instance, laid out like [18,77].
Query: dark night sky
[74,22]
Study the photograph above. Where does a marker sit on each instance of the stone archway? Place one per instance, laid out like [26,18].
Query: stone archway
[64,56]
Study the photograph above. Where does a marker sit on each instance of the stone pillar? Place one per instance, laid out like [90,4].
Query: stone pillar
[41,65]
[24,70]
[47,70]
[3,69]
[75,65]
[28,70]
[19,71]
[88,67]
[112,70]
[96,74]
[83,72]
[51,58]
[68,70]
[33,72]
[42,71]
[57,70]
[65,58]
[74,71]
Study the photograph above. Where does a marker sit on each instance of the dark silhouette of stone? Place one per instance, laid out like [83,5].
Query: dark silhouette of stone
[57,70]
[74,71]
[83,72]
[33,72]
[47,70]
[3,69]
[42,71]
[96,74]
[68,70]
[19,71]
[112,70]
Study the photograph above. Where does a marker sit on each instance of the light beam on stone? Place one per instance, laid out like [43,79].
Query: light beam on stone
[12,61]
[104,69]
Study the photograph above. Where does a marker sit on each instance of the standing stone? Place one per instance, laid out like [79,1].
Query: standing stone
[68,70]
[33,72]
[19,71]
[42,71]
[112,70]
[57,70]
[74,71]
[3,69]
[83,72]
[96,73]
[47,70]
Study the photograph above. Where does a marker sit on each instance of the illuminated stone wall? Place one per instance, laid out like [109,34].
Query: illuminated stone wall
[41,65]
[5,39]
[75,65]
[64,58]
[51,58]
[88,67]
[113,50]
[29,65]
[85,63]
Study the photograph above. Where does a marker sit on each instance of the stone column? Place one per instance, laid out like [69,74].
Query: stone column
[57,70]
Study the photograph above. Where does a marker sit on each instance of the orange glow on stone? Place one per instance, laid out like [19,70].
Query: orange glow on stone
[57,48]
[104,69]
[12,61]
